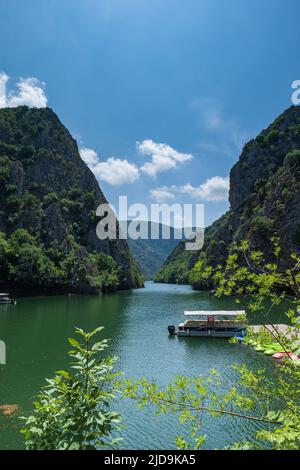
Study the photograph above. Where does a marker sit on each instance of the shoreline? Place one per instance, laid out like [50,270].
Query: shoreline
[21,290]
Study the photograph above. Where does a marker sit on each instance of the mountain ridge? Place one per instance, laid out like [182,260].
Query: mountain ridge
[151,253]
[49,198]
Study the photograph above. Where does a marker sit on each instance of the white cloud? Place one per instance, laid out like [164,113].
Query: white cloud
[89,156]
[161,194]
[163,157]
[30,92]
[214,189]
[113,171]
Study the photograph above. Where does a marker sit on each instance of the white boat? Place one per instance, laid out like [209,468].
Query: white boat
[215,324]
[6,299]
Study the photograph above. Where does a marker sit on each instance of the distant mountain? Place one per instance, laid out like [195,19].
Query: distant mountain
[149,261]
[47,215]
[264,199]
[150,254]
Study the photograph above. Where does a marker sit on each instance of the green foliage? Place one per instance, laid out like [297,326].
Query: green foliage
[4,250]
[262,224]
[200,274]
[176,268]
[98,271]
[106,272]
[293,159]
[189,398]
[4,174]
[258,280]
[136,274]
[268,139]
[73,411]
[49,199]
[22,259]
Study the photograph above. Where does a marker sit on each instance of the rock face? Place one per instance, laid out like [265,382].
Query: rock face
[264,199]
[47,190]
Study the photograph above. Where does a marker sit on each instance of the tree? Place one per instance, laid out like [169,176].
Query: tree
[73,410]
[4,250]
[27,261]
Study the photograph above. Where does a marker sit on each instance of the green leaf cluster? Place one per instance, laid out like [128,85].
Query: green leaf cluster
[73,411]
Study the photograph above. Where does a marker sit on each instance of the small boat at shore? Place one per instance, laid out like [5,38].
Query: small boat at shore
[212,324]
[289,354]
[6,299]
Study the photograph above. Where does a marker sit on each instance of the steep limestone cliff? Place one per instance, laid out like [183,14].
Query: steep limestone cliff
[264,199]
[48,202]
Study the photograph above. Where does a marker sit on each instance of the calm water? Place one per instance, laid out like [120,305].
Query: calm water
[35,332]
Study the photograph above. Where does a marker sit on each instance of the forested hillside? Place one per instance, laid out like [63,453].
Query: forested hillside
[47,216]
[151,253]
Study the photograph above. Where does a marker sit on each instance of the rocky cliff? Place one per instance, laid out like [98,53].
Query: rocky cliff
[48,202]
[264,199]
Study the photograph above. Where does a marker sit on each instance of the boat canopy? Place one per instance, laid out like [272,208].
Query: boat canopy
[215,313]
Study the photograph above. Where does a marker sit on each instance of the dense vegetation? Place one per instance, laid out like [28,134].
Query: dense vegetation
[264,198]
[24,261]
[73,411]
[151,253]
[48,208]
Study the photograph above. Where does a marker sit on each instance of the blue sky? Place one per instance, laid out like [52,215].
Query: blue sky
[200,77]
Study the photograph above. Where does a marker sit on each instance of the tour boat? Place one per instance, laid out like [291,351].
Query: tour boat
[6,299]
[215,324]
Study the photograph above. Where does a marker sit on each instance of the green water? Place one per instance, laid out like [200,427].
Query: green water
[35,332]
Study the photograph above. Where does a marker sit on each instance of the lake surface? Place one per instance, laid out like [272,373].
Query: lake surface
[36,330]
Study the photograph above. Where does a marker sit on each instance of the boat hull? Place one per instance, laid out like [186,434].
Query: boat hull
[212,333]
